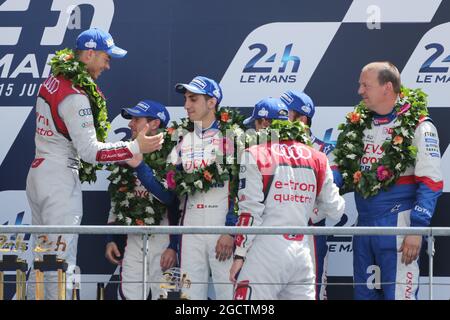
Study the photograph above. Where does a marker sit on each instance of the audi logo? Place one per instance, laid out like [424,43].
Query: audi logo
[51,84]
[85,112]
[291,152]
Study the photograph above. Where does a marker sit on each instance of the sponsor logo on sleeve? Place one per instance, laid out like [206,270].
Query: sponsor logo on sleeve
[85,112]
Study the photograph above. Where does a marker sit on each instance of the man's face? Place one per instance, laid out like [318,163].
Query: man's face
[370,89]
[137,124]
[197,106]
[96,63]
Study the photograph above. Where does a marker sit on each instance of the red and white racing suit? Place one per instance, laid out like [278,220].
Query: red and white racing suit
[198,149]
[280,185]
[64,133]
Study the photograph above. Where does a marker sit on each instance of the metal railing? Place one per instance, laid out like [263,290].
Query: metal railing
[430,232]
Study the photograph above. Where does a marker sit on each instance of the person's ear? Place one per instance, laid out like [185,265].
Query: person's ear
[211,103]
[266,123]
[388,87]
[90,54]
[303,119]
[154,124]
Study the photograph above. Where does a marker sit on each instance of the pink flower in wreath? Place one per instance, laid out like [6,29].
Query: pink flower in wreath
[227,146]
[170,178]
[404,108]
[383,173]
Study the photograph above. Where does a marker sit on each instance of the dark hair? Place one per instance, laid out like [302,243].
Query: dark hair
[390,74]
[209,97]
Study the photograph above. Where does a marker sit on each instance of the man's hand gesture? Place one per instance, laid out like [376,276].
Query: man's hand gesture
[148,144]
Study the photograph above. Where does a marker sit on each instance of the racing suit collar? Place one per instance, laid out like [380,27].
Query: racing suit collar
[379,119]
[199,131]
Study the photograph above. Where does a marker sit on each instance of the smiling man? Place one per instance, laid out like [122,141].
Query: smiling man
[66,133]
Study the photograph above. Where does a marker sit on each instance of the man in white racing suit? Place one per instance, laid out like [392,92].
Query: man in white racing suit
[280,185]
[161,248]
[65,133]
[201,254]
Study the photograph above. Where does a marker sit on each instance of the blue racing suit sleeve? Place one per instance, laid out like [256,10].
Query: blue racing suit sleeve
[117,238]
[337,177]
[173,211]
[145,175]
[427,174]
[231,217]
[427,195]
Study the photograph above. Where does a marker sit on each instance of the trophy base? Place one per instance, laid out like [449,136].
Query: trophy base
[175,295]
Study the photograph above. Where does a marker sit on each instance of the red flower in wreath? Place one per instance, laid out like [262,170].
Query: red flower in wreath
[224,117]
[207,175]
[354,117]
[357,176]
[398,140]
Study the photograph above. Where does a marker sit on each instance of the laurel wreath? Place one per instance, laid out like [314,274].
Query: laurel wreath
[133,210]
[203,179]
[129,208]
[281,130]
[399,153]
[65,63]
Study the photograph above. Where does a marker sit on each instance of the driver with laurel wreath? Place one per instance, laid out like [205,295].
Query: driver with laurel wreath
[388,153]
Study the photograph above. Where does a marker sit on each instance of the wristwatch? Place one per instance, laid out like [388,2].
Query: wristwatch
[238,257]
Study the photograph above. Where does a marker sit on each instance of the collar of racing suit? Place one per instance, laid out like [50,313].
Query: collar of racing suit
[379,119]
[201,131]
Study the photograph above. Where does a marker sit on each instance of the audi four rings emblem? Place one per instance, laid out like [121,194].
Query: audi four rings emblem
[291,152]
[51,84]
[85,112]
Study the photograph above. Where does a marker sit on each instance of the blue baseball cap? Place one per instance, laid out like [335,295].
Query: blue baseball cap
[300,102]
[148,108]
[201,85]
[269,108]
[96,39]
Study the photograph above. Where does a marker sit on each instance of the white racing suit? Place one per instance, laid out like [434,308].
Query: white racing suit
[64,132]
[212,208]
[280,185]
[131,266]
